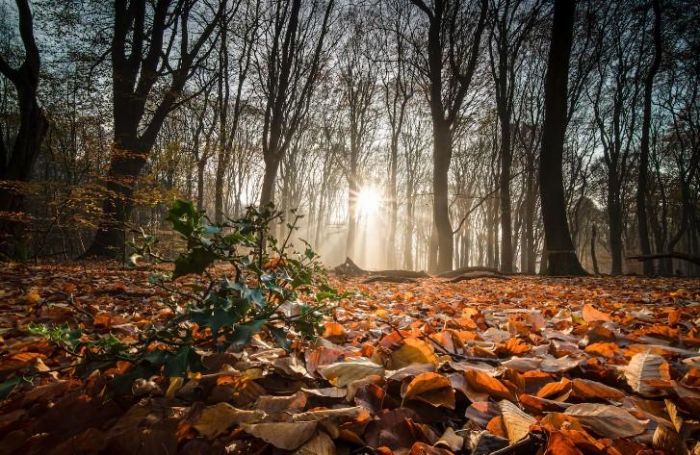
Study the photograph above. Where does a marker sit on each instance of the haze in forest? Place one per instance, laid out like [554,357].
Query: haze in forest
[526,136]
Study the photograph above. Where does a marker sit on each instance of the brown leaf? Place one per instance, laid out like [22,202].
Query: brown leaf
[450,440]
[586,390]
[607,421]
[321,444]
[516,422]
[283,435]
[215,420]
[643,368]
[341,374]
[432,388]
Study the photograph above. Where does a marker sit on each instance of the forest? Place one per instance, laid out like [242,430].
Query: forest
[350,226]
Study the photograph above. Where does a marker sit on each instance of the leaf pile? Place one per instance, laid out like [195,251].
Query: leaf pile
[559,366]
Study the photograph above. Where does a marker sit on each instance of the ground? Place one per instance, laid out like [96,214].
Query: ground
[520,365]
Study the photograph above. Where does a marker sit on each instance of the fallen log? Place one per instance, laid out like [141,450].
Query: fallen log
[389,279]
[470,269]
[349,268]
[478,275]
[671,255]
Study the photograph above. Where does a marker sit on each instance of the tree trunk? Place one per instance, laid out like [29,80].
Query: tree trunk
[559,249]
[615,226]
[17,161]
[642,184]
[442,154]
[504,184]
[594,259]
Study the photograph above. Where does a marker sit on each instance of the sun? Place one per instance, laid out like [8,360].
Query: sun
[368,201]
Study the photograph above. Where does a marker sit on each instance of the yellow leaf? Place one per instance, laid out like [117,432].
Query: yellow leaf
[517,422]
[412,351]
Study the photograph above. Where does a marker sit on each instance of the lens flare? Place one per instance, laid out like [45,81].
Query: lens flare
[368,201]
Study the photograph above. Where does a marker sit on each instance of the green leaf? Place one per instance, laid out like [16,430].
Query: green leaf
[196,261]
[8,386]
[243,333]
[280,336]
[185,359]
[184,217]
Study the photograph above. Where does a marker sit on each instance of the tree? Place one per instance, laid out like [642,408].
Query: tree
[512,21]
[449,63]
[146,50]
[17,158]
[289,62]
[642,177]
[559,249]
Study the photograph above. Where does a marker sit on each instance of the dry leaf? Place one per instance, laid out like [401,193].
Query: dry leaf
[645,367]
[412,351]
[591,314]
[283,435]
[215,420]
[432,388]
[341,374]
[607,421]
[481,381]
[450,440]
[586,390]
[516,422]
[321,444]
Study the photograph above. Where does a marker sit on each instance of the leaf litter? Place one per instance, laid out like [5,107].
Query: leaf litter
[527,365]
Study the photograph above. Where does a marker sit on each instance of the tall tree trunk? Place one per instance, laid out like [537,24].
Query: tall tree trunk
[615,226]
[393,204]
[17,160]
[594,259]
[559,249]
[642,180]
[504,185]
[442,154]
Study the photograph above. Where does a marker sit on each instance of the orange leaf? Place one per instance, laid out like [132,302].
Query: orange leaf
[559,444]
[590,314]
[103,320]
[432,388]
[560,389]
[586,389]
[480,381]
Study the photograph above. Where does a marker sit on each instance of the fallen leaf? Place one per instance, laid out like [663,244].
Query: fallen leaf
[605,420]
[516,422]
[481,381]
[283,435]
[450,440]
[321,444]
[432,388]
[412,350]
[643,368]
[341,374]
[591,314]
[215,420]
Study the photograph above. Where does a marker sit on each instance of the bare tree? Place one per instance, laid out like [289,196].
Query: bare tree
[448,63]
[642,177]
[17,157]
[288,62]
[559,249]
[147,48]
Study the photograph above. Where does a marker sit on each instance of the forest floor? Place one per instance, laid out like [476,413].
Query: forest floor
[568,365]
